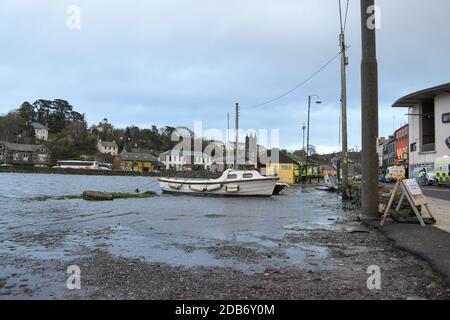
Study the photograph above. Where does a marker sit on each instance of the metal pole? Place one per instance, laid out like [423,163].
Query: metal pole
[307,135]
[237,137]
[369,112]
[304,127]
[228,128]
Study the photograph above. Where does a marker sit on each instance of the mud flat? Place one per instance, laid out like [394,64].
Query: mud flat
[302,245]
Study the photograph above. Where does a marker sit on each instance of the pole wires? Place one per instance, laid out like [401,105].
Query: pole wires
[297,86]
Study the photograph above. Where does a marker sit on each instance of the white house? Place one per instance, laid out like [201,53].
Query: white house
[105,147]
[182,159]
[40,131]
[429,125]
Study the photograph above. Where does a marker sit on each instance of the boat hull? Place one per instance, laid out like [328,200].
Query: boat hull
[255,188]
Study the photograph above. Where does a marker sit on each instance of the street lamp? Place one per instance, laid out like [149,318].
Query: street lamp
[317,101]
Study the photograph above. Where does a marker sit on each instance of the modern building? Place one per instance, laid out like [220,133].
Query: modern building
[429,125]
[402,145]
[139,161]
[40,131]
[24,154]
[181,160]
[105,147]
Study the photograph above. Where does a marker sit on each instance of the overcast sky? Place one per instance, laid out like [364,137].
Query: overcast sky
[171,62]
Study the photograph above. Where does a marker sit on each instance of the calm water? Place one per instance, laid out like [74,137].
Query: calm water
[155,229]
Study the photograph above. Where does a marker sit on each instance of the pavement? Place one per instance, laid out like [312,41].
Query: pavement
[436,192]
[431,243]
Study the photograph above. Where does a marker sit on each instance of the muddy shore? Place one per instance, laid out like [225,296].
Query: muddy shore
[342,274]
[301,245]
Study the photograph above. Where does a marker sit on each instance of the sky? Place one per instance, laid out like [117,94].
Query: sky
[173,62]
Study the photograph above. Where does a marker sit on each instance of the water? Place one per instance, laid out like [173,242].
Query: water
[179,230]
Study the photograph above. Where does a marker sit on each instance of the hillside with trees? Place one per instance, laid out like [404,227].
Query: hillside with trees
[69,135]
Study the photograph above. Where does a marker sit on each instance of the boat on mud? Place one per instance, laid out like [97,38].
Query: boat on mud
[232,183]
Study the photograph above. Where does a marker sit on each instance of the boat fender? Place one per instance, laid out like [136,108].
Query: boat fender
[232,188]
[213,187]
[197,188]
[176,186]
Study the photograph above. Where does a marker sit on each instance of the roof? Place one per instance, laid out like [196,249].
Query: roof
[186,153]
[108,144]
[417,97]
[284,157]
[327,167]
[23,147]
[138,156]
[37,125]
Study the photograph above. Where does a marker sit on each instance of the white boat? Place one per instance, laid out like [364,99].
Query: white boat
[231,183]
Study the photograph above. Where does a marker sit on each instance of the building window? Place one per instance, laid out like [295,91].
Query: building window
[413,147]
[445,118]
[428,136]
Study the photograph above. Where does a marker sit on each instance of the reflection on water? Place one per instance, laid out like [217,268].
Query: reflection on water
[156,229]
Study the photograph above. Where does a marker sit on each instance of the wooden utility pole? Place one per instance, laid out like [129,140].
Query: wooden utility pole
[369,111]
[237,137]
[344,63]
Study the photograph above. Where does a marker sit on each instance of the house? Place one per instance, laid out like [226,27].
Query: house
[429,125]
[40,131]
[389,152]
[140,161]
[381,142]
[354,163]
[180,160]
[24,154]
[285,168]
[402,145]
[327,169]
[105,147]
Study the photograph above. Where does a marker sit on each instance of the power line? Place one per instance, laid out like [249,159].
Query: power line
[296,87]
[346,15]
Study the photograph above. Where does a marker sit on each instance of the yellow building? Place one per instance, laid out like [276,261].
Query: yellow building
[140,162]
[287,168]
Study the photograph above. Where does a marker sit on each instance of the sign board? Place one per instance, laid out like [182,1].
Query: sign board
[413,187]
[413,193]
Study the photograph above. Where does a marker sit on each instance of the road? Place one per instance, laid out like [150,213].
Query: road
[436,192]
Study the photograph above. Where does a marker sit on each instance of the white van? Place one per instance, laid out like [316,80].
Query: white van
[442,170]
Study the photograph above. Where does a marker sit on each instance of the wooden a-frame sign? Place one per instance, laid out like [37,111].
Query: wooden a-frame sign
[413,193]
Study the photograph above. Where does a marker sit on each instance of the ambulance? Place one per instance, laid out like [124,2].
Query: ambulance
[442,170]
[395,173]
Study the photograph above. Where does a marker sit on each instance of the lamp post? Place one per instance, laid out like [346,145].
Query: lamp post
[318,101]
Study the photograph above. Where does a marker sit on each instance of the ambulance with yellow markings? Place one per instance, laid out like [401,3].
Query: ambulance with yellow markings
[442,170]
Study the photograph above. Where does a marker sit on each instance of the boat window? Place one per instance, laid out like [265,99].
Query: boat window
[247,175]
[232,176]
